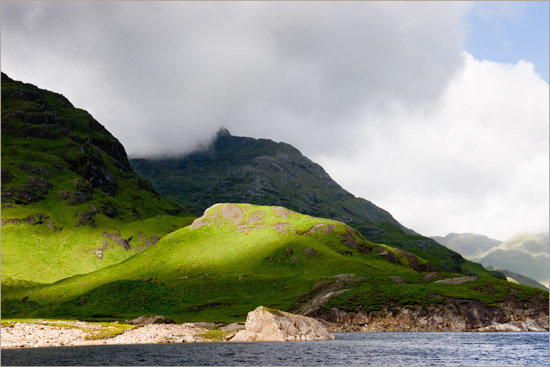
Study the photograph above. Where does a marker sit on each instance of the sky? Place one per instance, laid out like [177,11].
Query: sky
[435,111]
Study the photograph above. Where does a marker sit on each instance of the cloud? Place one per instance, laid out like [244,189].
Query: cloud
[380,93]
[476,161]
[162,76]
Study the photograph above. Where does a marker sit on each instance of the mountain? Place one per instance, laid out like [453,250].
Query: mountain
[263,172]
[470,245]
[519,279]
[528,243]
[239,256]
[525,254]
[71,202]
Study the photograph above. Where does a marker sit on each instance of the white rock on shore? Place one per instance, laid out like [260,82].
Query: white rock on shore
[272,325]
[22,335]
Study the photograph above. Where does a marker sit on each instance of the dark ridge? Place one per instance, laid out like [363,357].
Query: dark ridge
[49,147]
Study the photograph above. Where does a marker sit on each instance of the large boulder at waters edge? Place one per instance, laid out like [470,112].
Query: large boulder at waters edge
[269,325]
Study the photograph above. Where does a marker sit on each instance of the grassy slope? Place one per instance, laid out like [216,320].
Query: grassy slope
[232,264]
[46,139]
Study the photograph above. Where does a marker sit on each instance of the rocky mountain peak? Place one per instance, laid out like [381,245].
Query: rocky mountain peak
[222,132]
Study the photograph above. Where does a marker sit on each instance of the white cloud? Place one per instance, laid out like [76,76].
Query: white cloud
[475,161]
[163,75]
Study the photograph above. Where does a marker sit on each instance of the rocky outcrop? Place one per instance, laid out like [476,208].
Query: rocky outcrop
[86,219]
[124,242]
[452,315]
[309,302]
[34,191]
[264,324]
[311,252]
[32,219]
[235,326]
[459,280]
[151,319]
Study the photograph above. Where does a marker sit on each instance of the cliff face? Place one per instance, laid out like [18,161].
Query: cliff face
[512,314]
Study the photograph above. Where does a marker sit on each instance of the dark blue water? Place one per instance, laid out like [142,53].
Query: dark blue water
[379,349]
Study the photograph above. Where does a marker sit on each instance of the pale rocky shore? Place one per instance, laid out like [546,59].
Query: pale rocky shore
[42,334]
[262,324]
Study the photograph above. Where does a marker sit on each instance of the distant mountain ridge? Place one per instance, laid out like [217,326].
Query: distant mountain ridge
[469,245]
[524,253]
[263,172]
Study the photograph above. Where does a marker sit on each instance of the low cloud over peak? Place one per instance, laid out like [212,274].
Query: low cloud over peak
[164,76]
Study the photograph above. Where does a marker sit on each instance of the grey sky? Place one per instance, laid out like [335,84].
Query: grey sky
[361,87]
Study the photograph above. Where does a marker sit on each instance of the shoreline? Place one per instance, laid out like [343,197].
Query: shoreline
[59,333]
[76,333]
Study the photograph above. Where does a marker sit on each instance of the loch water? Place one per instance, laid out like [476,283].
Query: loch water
[349,349]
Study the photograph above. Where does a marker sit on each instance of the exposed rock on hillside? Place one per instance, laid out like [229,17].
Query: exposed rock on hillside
[311,301]
[459,280]
[269,325]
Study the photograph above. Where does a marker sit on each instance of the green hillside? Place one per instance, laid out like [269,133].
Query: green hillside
[71,202]
[263,172]
[236,257]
